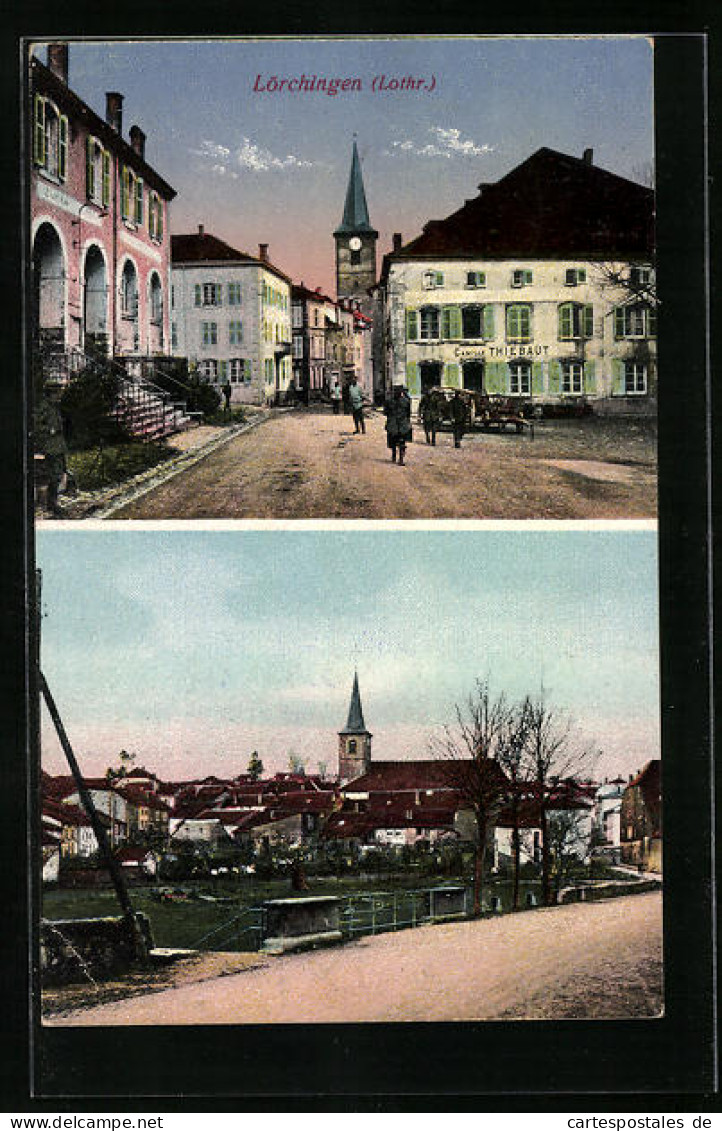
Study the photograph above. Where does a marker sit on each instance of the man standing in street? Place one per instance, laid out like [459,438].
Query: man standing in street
[457,412]
[336,397]
[356,401]
[430,415]
[227,391]
[398,422]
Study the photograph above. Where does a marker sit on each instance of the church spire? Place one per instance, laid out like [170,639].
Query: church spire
[355,722]
[355,212]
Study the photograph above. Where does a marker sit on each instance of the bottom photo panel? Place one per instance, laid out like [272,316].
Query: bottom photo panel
[350,775]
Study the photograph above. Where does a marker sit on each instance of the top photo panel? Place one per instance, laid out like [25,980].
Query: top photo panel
[342,278]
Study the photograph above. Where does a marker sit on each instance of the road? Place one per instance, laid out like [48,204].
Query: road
[310,464]
[584,960]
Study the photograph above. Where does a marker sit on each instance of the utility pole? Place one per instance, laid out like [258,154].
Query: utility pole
[40,687]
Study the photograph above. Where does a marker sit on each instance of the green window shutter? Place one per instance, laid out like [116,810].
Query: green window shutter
[39,132]
[159,219]
[618,385]
[619,322]
[537,377]
[590,383]
[63,147]
[588,315]
[439,279]
[247,369]
[412,378]
[456,326]
[223,367]
[219,294]
[412,325]
[488,328]
[199,294]
[106,179]
[527,277]
[495,377]
[565,321]
[451,375]
[555,376]
[581,275]
[89,167]
[138,201]
[124,193]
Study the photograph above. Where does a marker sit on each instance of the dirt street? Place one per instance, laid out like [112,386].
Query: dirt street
[310,464]
[584,960]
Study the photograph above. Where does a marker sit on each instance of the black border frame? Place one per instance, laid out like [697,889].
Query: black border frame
[669,1062]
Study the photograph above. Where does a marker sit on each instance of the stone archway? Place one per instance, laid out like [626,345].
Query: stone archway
[95,302]
[49,290]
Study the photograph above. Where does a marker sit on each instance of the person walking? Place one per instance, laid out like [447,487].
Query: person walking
[398,422]
[430,415]
[457,412]
[227,390]
[336,397]
[356,400]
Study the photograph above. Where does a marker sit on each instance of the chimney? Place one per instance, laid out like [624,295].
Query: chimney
[201,230]
[263,252]
[588,157]
[137,140]
[397,241]
[114,110]
[58,60]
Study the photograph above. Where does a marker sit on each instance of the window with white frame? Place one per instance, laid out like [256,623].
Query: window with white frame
[576,320]
[50,138]
[239,370]
[476,278]
[518,322]
[209,333]
[155,217]
[635,377]
[521,277]
[433,279]
[208,369]
[520,378]
[428,322]
[572,377]
[640,276]
[97,173]
[574,276]
[235,332]
[234,294]
[156,300]
[637,320]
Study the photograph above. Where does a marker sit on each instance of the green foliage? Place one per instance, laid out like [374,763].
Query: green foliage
[255,766]
[94,469]
[175,377]
[87,405]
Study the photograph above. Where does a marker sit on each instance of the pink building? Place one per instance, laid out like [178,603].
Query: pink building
[100,232]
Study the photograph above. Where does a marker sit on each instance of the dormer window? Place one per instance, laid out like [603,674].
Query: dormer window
[640,276]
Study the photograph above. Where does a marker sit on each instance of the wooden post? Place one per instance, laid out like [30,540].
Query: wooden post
[98,828]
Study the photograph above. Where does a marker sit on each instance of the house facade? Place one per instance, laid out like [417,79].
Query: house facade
[99,216]
[541,288]
[231,317]
[310,311]
[641,819]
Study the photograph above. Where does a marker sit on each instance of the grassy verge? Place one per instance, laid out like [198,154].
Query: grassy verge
[237,415]
[94,469]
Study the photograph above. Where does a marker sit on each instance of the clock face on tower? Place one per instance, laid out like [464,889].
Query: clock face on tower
[354,243]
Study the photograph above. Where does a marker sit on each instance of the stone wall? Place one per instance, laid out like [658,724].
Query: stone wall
[73,949]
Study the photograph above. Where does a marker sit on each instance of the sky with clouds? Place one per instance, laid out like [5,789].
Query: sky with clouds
[257,165]
[191,648]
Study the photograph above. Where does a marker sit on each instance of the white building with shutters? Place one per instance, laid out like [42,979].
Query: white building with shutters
[231,317]
[541,288]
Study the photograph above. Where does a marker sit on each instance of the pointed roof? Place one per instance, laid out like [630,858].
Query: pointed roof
[355,212]
[355,722]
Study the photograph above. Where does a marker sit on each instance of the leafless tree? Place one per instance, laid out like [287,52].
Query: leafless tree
[471,747]
[553,757]
[568,841]
[511,757]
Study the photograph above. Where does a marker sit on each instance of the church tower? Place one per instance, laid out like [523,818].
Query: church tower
[355,242]
[354,741]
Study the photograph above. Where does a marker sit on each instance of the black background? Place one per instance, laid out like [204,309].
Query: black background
[656,1065]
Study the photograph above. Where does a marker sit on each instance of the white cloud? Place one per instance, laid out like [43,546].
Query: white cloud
[446,143]
[249,156]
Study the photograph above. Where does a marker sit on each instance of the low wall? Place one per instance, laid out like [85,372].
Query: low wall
[606,890]
[290,924]
[444,903]
[72,949]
